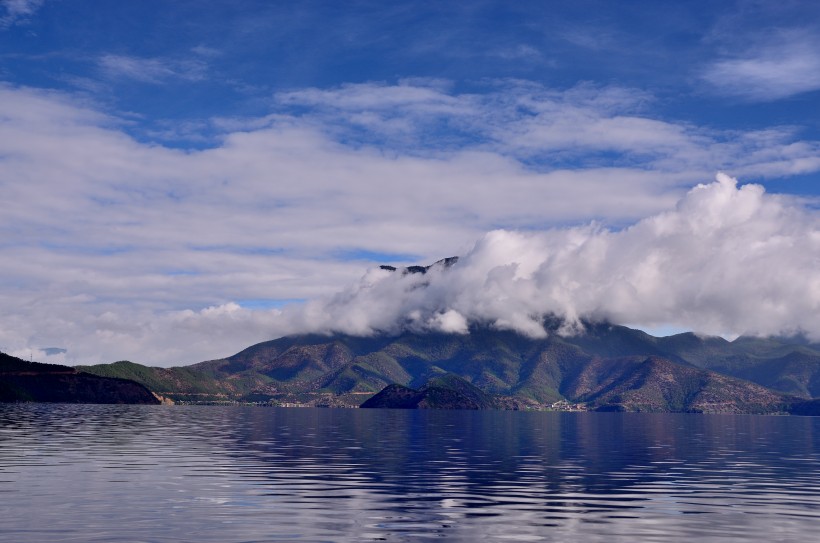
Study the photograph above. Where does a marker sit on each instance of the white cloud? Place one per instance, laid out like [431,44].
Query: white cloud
[726,260]
[16,11]
[115,249]
[170,337]
[205,51]
[587,37]
[786,66]
[151,70]
[581,128]
[519,53]
[373,96]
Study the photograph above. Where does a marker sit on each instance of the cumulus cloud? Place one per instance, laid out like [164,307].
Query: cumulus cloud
[726,260]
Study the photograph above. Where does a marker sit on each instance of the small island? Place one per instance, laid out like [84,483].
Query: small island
[447,391]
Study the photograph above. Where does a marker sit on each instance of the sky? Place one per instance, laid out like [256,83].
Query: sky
[180,180]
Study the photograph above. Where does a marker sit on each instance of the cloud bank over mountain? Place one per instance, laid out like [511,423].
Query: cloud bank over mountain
[116,246]
[727,260]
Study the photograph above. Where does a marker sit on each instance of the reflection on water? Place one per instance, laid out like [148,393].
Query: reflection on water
[155,474]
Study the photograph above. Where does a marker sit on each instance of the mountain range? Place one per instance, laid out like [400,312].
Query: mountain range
[608,367]
[604,367]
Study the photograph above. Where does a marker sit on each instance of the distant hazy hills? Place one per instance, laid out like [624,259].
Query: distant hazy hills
[608,367]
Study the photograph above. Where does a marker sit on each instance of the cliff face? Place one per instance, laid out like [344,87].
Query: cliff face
[22,381]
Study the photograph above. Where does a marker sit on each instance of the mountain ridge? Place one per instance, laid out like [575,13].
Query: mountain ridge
[607,367]
[25,381]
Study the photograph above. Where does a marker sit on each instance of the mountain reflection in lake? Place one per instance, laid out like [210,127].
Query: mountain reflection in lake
[228,474]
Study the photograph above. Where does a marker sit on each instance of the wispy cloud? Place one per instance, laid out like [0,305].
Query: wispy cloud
[582,127]
[786,66]
[596,39]
[17,11]
[152,70]
[519,52]
[205,51]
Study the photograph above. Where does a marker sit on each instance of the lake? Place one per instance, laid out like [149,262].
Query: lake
[94,473]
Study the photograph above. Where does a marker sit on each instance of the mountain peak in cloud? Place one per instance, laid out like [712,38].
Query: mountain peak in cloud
[728,259]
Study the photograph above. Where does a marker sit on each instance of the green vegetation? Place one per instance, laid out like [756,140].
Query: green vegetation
[446,391]
[608,367]
[22,381]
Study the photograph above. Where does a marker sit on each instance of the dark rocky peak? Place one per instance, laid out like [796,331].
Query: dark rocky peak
[444,263]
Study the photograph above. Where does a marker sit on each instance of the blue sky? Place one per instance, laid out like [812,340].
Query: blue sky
[177,172]
[728,65]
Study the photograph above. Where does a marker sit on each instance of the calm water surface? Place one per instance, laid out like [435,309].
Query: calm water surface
[85,473]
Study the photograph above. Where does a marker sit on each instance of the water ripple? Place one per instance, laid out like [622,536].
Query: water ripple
[155,474]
